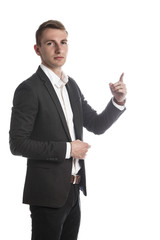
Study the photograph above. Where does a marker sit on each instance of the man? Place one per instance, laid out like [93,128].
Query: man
[48,116]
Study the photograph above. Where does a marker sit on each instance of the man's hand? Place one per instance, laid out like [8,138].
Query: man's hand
[79,149]
[119,91]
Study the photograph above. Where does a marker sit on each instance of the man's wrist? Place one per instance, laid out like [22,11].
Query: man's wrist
[122,103]
[120,107]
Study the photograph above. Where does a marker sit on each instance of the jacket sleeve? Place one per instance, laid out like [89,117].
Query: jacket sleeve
[99,123]
[24,113]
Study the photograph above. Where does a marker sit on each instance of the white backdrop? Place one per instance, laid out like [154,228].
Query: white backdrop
[106,38]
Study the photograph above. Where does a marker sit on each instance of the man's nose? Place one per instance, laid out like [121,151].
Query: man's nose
[58,48]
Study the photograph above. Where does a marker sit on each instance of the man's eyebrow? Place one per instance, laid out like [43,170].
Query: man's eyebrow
[52,40]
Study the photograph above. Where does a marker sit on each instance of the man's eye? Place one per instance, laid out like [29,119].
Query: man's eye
[64,42]
[51,44]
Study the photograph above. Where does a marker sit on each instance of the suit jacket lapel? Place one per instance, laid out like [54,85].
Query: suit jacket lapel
[75,110]
[55,99]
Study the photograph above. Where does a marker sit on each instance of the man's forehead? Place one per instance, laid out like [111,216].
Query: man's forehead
[54,34]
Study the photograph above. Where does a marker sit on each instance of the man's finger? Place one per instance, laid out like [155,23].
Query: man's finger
[121,77]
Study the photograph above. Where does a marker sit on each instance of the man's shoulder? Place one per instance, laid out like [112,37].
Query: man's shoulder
[31,81]
[72,82]
[71,79]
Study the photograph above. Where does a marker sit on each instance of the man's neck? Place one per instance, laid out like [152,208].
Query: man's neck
[57,71]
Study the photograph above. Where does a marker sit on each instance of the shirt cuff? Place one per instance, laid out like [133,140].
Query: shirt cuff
[68,150]
[120,107]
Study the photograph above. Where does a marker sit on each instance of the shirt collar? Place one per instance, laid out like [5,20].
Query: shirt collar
[55,80]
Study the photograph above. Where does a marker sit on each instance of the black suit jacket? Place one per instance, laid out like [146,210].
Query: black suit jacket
[39,132]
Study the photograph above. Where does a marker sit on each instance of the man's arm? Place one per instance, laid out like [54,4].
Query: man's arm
[24,113]
[99,123]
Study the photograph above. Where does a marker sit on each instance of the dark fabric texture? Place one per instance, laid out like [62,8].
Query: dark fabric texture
[57,223]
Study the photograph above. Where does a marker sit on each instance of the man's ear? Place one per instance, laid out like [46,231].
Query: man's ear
[36,48]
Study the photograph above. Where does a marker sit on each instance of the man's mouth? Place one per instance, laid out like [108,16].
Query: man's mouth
[58,57]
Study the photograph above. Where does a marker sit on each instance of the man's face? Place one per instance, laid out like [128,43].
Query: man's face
[53,49]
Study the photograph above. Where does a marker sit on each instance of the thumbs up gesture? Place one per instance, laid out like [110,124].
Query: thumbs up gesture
[119,91]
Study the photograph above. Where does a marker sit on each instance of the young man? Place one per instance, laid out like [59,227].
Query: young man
[48,116]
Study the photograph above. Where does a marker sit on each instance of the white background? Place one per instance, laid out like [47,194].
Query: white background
[106,38]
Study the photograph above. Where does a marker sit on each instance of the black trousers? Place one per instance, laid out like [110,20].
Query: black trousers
[57,223]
